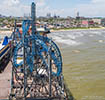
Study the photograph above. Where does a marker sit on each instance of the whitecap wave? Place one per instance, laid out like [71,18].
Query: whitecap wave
[96,33]
[66,41]
[76,37]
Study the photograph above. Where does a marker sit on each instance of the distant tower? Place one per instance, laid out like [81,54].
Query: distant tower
[78,19]
[48,15]
[78,16]
[55,16]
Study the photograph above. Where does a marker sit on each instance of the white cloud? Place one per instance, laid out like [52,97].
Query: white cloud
[13,7]
[96,8]
[98,1]
[16,8]
[11,2]
[40,3]
[43,8]
[92,9]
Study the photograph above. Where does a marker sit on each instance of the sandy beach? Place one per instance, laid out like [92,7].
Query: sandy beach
[61,30]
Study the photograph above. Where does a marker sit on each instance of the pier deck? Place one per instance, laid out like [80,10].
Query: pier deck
[5,83]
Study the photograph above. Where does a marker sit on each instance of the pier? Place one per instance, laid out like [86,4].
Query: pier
[5,81]
[5,84]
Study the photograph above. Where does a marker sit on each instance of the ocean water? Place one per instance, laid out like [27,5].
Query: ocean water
[83,54]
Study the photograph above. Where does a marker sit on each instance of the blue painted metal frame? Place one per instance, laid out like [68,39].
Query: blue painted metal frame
[40,45]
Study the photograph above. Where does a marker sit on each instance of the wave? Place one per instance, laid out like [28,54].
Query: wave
[65,38]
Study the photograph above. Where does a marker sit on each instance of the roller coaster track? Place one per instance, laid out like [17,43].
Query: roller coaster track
[37,66]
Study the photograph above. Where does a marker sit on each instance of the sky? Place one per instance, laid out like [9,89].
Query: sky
[63,8]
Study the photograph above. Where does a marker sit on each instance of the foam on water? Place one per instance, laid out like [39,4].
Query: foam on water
[68,38]
[96,33]
[91,35]
[76,37]
[67,41]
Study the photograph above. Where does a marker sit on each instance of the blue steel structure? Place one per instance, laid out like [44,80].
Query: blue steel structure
[37,65]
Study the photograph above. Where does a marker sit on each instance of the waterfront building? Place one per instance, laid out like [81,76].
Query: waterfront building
[97,20]
[85,23]
[103,22]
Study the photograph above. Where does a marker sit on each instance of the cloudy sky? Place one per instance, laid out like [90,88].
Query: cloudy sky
[88,8]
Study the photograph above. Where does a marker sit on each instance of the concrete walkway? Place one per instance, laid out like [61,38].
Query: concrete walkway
[5,82]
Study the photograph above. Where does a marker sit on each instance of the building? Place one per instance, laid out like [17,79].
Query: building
[97,21]
[91,23]
[103,22]
[85,23]
[48,15]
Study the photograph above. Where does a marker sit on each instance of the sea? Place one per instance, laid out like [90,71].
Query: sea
[83,53]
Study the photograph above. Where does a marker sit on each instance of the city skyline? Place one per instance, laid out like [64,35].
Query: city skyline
[88,8]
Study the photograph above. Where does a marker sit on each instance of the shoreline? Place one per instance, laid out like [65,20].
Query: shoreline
[61,30]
